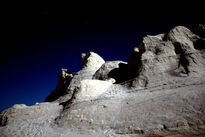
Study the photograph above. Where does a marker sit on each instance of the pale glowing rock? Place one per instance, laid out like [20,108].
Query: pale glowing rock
[92,89]
[159,92]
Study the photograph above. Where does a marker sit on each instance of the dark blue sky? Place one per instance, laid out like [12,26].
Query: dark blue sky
[40,40]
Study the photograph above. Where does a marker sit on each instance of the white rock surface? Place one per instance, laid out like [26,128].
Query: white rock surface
[91,62]
[160,92]
[91,89]
[163,56]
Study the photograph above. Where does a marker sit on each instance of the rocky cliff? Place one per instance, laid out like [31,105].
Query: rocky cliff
[160,91]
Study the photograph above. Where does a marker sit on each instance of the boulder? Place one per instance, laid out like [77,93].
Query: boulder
[104,72]
[91,89]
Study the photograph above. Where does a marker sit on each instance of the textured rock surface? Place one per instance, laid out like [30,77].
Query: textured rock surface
[91,62]
[61,87]
[103,72]
[111,69]
[160,92]
[164,56]
[91,89]
[200,30]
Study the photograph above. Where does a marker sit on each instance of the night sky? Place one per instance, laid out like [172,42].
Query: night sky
[41,37]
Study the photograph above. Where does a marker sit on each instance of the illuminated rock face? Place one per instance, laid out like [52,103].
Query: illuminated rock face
[158,92]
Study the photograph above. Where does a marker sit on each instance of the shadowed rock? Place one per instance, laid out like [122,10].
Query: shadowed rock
[106,70]
[61,87]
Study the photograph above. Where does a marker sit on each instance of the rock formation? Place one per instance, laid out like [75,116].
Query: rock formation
[63,83]
[160,91]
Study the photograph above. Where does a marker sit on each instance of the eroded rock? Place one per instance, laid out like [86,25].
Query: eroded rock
[159,92]
[21,113]
[91,62]
[61,87]
[103,72]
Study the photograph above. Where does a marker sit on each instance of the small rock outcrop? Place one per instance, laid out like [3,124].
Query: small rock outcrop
[112,69]
[61,87]
[158,92]
[91,62]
